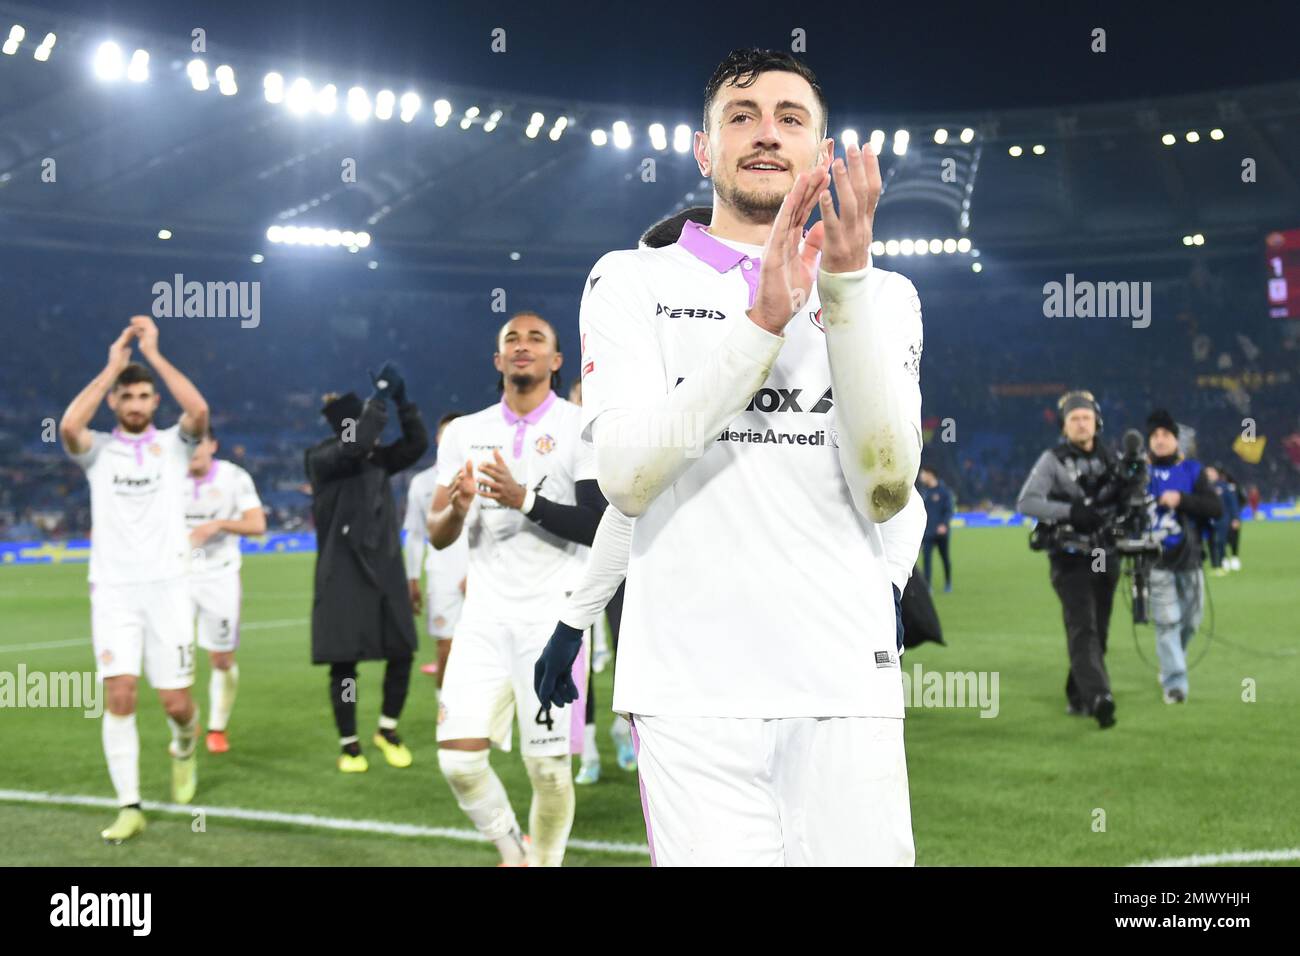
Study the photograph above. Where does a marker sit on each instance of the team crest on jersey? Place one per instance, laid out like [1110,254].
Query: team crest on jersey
[155,449]
[106,657]
[442,712]
[817,320]
[544,445]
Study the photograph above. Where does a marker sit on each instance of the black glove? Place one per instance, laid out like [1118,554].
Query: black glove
[553,672]
[1084,518]
[389,383]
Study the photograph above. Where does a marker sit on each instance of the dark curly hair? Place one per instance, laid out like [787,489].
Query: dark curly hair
[744,67]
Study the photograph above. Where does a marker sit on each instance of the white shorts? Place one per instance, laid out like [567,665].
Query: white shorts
[144,627]
[489,680]
[214,601]
[794,791]
[442,609]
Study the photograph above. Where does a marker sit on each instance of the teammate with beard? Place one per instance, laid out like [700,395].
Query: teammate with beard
[139,596]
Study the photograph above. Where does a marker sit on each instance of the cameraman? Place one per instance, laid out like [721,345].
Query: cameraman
[1063,492]
[1185,501]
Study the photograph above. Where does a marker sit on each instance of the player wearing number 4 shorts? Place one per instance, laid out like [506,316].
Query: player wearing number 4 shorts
[753,395]
[139,598]
[516,480]
[221,504]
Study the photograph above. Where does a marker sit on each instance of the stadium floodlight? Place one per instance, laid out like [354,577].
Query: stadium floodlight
[622,135]
[1193,136]
[442,111]
[1216,134]
[137,71]
[275,234]
[273,87]
[258,258]
[950,246]
[197,71]
[327,99]
[921,247]
[164,233]
[299,98]
[1198,239]
[410,104]
[877,248]
[108,61]
[1039,149]
[514,257]
[877,141]
[963,244]
[288,235]
[936,246]
[905,247]
[333,237]
[1169,139]
[358,105]
[10,47]
[940,136]
[363,239]
[967,135]
[467,120]
[16,35]
[1015,151]
[977,267]
[493,119]
[901,138]
[658,136]
[384,101]
[537,119]
[226,80]
[599,137]
[891,247]
[1187,240]
[974,253]
[372,264]
[682,138]
[47,46]
[348,237]
[849,137]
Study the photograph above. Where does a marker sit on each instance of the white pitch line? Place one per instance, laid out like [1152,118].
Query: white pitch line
[1234,856]
[303,820]
[46,645]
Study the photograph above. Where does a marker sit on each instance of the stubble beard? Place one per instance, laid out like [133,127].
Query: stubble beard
[758,207]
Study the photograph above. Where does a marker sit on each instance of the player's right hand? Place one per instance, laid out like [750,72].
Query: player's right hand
[553,672]
[463,491]
[417,596]
[789,266]
[119,353]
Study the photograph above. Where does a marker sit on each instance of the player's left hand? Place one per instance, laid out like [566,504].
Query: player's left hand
[147,332]
[553,672]
[844,237]
[496,482]
[203,532]
[1170,499]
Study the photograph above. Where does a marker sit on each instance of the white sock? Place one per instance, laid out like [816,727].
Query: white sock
[222,687]
[387,723]
[184,736]
[589,752]
[550,817]
[479,792]
[122,751]
[620,730]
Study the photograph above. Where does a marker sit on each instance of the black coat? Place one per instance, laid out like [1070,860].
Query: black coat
[361,610]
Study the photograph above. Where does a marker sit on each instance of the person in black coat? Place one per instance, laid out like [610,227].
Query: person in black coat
[361,610]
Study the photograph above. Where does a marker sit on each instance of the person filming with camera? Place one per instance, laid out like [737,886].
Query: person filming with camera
[1066,491]
[1185,501]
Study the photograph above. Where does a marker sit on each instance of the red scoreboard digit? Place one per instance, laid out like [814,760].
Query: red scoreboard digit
[1283,253]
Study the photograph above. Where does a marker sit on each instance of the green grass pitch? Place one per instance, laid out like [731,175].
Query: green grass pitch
[1025,787]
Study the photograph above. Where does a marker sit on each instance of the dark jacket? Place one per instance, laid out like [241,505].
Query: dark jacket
[938,510]
[362,609]
[1061,476]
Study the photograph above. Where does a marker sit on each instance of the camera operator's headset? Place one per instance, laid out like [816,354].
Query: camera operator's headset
[1080,394]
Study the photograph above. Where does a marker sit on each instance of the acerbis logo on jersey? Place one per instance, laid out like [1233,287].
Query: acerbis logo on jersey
[715,314]
[787,400]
